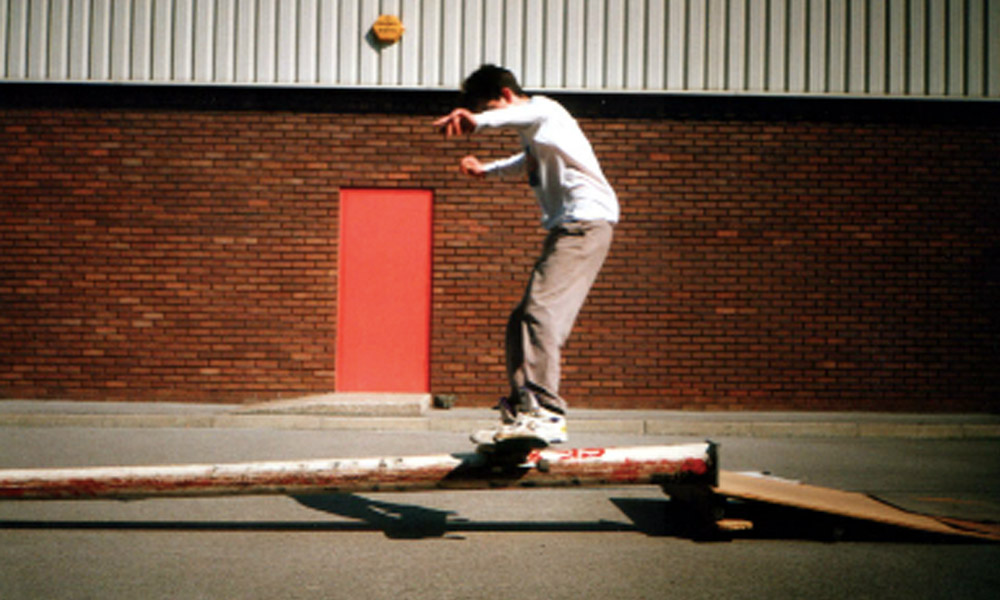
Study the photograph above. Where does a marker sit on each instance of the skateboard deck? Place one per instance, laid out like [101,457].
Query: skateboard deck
[517,451]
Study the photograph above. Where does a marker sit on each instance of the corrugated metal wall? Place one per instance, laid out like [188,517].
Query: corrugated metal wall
[935,48]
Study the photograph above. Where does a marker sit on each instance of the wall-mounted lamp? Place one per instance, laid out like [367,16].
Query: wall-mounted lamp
[388,29]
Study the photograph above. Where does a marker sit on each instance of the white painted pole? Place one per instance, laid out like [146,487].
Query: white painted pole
[686,463]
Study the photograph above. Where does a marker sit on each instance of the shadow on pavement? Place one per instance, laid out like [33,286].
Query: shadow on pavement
[648,516]
[663,518]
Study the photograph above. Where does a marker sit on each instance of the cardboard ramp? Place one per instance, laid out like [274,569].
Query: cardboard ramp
[854,505]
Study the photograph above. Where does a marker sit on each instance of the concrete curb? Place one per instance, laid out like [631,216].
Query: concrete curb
[343,404]
[641,423]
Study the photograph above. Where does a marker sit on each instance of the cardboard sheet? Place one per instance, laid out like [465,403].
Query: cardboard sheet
[854,505]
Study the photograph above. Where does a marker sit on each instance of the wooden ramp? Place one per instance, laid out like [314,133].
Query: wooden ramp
[852,505]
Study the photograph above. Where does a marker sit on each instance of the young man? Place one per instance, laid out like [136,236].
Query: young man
[579,209]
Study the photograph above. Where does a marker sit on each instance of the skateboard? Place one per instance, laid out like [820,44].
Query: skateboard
[518,452]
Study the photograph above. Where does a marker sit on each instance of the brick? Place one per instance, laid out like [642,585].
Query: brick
[796,265]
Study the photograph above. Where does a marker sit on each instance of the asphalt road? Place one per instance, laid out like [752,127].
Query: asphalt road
[578,543]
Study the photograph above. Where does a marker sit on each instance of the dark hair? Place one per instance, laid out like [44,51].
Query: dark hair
[486,83]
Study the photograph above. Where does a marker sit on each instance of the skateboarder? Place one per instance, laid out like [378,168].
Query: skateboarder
[579,209]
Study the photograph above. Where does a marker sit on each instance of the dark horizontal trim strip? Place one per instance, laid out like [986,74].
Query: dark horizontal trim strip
[433,102]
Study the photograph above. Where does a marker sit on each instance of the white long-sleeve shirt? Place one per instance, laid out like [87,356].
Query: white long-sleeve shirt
[558,159]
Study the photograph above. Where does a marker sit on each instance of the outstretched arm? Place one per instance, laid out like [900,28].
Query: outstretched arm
[472,166]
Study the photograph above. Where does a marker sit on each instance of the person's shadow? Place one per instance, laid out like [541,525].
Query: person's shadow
[398,521]
[648,516]
[408,521]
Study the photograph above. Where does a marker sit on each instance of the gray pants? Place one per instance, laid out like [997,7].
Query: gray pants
[537,329]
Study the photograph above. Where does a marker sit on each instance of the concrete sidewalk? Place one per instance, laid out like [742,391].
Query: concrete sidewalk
[309,416]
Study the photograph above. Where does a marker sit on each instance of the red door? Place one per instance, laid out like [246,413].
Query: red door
[384,305]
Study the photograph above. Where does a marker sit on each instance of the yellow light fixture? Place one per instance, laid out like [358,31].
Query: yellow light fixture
[388,29]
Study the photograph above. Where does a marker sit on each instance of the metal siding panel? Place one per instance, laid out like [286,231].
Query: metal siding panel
[876,46]
[431,43]
[635,44]
[614,47]
[992,68]
[917,50]
[100,40]
[575,51]
[493,32]
[79,40]
[307,42]
[510,34]
[594,51]
[472,38]
[162,40]
[4,16]
[387,58]
[224,63]
[17,40]
[532,69]
[656,40]
[798,47]
[860,47]
[409,50]
[327,50]
[896,53]
[975,45]
[956,48]
[697,27]
[266,42]
[817,47]
[347,43]
[836,69]
[58,51]
[513,35]
[736,36]
[141,41]
[450,48]
[937,47]
[718,38]
[183,41]
[246,26]
[204,41]
[857,31]
[121,41]
[38,35]
[777,46]
[757,46]
[368,65]
[676,44]
[286,59]
[553,44]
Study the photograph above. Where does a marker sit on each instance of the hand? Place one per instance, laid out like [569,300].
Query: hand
[457,122]
[471,166]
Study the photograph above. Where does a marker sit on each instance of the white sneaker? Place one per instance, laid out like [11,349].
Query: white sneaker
[484,437]
[542,424]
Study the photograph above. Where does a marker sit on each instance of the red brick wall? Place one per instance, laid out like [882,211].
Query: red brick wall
[763,261]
